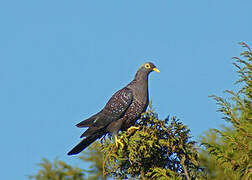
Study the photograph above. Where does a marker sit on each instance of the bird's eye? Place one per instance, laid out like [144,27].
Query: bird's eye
[147,66]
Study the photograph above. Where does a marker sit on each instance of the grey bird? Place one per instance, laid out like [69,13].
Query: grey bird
[121,111]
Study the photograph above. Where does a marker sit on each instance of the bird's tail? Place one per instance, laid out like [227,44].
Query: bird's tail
[85,143]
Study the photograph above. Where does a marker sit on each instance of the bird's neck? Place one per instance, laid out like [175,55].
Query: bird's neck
[140,84]
[141,76]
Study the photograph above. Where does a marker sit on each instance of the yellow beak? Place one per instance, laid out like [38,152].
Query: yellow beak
[155,69]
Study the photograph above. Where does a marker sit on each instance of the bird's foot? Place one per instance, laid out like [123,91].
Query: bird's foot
[118,141]
[132,129]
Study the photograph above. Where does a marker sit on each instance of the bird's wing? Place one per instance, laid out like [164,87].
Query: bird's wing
[115,107]
[113,110]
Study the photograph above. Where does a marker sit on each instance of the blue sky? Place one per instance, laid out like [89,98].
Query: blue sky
[61,61]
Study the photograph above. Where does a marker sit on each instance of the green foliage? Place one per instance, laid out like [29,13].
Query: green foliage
[228,153]
[95,156]
[58,170]
[160,149]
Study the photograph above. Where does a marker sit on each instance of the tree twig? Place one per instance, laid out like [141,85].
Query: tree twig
[186,172]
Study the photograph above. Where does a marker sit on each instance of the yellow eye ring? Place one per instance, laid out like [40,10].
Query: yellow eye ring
[147,66]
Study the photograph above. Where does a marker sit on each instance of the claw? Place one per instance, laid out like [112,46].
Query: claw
[118,141]
[133,128]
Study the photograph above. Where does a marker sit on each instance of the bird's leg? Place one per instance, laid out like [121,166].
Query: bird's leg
[118,141]
[133,128]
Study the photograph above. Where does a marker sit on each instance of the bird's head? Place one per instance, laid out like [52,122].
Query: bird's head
[148,67]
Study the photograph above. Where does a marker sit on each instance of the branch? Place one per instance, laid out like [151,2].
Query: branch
[186,172]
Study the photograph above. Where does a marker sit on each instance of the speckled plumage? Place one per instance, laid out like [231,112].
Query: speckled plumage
[120,112]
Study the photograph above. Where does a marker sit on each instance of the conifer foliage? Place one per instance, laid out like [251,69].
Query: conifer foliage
[228,153]
[60,170]
[160,149]
[57,170]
